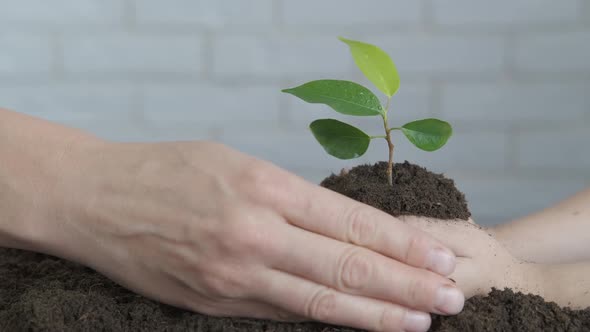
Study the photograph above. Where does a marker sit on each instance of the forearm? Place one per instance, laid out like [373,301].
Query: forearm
[32,155]
[559,234]
[566,284]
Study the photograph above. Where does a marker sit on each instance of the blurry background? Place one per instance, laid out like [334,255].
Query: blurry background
[512,77]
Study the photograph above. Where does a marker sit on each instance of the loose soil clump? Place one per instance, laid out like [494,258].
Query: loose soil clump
[45,293]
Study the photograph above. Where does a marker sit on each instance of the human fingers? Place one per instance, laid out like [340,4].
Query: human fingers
[321,303]
[469,277]
[325,212]
[359,271]
[250,309]
[463,238]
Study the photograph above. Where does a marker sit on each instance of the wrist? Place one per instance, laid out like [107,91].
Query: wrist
[512,242]
[500,233]
[533,279]
[38,157]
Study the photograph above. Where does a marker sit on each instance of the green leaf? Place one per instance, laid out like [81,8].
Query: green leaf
[343,96]
[375,64]
[339,139]
[428,134]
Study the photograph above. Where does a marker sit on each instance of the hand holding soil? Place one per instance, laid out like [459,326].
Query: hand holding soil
[206,228]
[482,262]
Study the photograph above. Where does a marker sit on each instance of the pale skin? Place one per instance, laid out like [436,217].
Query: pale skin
[546,253]
[206,228]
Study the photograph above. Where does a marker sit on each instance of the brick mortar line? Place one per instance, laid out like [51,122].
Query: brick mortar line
[76,29]
[196,79]
[129,14]
[574,123]
[63,28]
[284,117]
[509,58]
[359,29]
[132,77]
[436,98]
[125,78]
[263,31]
[427,13]
[546,174]
[200,27]
[521,77]
[585,11]
[207,57]
[132,31]
[435,28]
[476,126]
[548,76]
[278,21]
[138,107]
[512,150]
[502,28]
[58,56]
[465,30]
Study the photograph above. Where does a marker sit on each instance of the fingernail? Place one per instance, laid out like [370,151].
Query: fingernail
[449,300]
[441,262]
[416,321]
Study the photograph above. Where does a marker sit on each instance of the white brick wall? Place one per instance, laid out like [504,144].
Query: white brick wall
[64,102]
[132,53]
[504,12]
[236,110]
[111,111]
[215,14]
[59,12]
[25,54]
[512,76]
[276,55]
[554,52]
[510,104]
[563,147]
[350,12]
[497,197]
[443,54]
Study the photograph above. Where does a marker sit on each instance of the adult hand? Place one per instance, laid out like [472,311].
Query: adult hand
[482,261]
[203,227]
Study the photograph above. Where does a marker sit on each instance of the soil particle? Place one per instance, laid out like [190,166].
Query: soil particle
[45,293]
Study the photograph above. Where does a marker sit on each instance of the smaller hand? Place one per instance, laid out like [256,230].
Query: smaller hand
[482,262]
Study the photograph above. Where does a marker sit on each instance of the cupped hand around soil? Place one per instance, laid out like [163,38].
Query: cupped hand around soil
[483,263]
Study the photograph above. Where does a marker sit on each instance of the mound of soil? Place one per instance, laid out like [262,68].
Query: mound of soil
[415,190]
[45,293]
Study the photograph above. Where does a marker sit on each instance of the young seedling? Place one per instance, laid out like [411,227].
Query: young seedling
[344,141]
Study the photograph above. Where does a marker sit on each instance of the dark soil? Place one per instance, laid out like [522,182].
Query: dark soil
[415,191]
[44,293]
[509,311]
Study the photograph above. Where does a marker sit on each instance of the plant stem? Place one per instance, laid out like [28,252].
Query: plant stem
[389,145]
